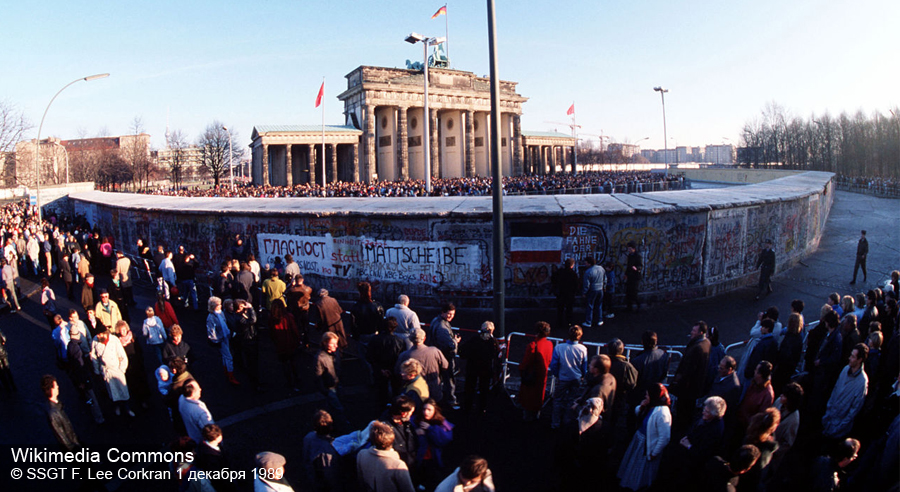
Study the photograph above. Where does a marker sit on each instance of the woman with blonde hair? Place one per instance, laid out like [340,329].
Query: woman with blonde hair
[415,386]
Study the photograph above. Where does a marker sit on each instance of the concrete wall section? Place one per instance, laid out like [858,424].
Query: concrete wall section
[736,176]
[693,243]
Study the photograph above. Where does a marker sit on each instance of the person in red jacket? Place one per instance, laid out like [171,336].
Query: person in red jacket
[534,372]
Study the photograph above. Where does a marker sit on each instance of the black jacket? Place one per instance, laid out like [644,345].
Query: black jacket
[405,441]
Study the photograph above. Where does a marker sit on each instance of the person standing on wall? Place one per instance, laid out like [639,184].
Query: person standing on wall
[766,265]
[634,267]
[862,251]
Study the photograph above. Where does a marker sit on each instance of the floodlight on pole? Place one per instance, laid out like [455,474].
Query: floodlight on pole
[662,94]
[37,146]
[414,38]
[230,164]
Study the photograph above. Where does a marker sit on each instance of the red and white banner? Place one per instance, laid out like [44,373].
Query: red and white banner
[541,249]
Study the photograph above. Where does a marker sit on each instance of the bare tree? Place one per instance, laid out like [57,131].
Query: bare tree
[213,144]
[137,153]
[178,157]
[13,126]
[114,171]
[853,145]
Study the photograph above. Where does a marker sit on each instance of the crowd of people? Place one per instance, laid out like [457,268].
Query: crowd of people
[96,347]
[537,184]
[876,185]
[795,411]
[797,408]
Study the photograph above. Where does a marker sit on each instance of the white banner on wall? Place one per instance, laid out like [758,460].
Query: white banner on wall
[430,262]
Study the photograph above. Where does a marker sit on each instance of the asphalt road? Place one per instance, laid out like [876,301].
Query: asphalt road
[521,454]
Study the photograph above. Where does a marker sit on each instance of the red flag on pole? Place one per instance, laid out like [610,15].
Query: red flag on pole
[570,112]
[441,11]
[321,93]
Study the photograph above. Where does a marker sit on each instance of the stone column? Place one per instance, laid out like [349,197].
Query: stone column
[403,144]
[435,143]
[312,164]
[288,167]
[265,164]
[356,163]
[370,143]
[470,143]
[517,167]
[333,163]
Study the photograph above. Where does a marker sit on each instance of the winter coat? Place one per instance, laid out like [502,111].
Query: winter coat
[111,362]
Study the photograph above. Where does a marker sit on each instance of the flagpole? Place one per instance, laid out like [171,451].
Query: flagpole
[575,135]
[447,32]
[324,165]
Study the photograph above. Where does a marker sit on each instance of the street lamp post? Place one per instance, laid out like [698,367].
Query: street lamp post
[414,38]
[230,164]
[662,94]
[37,166]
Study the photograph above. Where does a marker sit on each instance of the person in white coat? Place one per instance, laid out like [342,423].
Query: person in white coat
[110,361]
[640,464]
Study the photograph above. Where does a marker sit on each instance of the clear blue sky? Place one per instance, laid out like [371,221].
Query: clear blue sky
[254,63]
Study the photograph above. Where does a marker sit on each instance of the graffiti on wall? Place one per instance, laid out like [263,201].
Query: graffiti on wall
[437,258]
[434,263]
[725,258]
[671,246]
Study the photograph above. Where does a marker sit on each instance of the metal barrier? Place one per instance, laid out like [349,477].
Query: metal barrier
[881,191]
[512,383]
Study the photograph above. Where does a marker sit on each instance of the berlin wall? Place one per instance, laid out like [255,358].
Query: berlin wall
[694,243]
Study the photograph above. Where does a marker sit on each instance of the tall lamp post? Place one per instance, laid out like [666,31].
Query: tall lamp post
[662,94]
[414,38]
[230,154]
[37,166]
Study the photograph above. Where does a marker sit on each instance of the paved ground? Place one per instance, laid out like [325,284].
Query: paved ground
[521,455]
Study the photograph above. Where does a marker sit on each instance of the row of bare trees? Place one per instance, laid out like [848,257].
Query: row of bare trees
[855,145]
[212,149]
[131,165]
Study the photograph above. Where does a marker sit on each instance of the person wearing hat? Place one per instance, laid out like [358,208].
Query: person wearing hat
[107,311]
[766,266]
[270,473]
